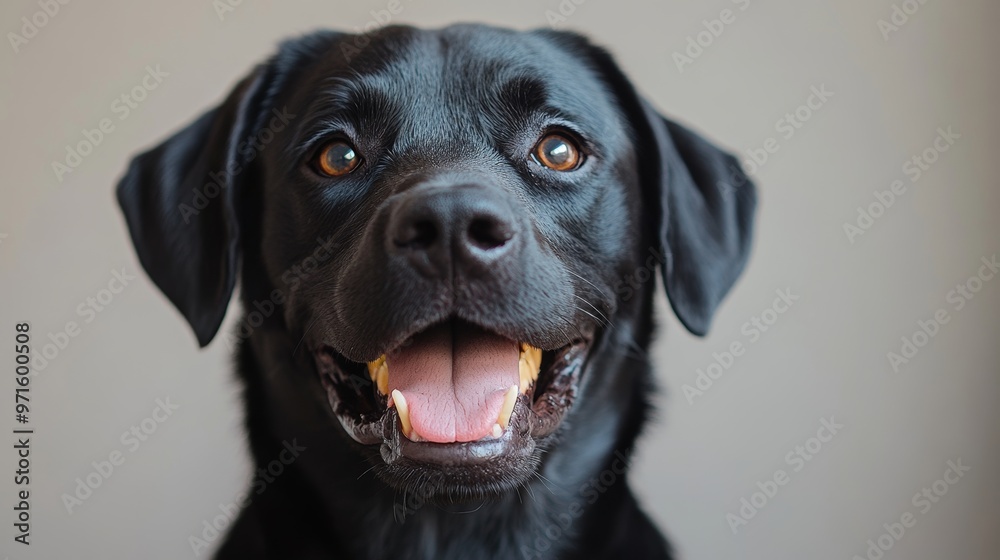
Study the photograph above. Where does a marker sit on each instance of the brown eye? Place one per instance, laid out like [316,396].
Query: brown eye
[558,152]
[337,158]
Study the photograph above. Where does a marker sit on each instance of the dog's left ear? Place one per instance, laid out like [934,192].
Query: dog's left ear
[702,203]
[704,206]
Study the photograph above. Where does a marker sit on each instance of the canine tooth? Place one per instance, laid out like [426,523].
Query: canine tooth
[532,355]
[529,364]
[404,412]
[525,374]
[382,378]
[373,367]
[508,407]
[497,430]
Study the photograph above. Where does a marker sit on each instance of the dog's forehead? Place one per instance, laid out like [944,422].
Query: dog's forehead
[448,81]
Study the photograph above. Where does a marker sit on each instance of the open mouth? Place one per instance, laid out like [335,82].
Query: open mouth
[454,394]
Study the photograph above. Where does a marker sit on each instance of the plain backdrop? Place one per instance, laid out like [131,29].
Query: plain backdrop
[824,359]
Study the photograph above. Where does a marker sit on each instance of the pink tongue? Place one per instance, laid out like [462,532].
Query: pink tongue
[454,379]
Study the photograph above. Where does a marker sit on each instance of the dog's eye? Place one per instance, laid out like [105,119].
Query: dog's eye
[558,152]
[337,158]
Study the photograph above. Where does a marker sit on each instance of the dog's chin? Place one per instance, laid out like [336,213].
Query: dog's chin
[456,412]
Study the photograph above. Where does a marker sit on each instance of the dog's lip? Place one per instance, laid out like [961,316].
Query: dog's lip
[368,353]
[515,442]
[536,415]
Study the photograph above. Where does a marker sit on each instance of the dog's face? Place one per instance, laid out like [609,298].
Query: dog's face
[446,221]
[478,189]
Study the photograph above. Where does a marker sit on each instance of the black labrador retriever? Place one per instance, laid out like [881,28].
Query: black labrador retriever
[445,242]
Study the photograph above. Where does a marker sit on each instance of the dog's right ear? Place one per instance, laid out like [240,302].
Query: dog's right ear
[179,201]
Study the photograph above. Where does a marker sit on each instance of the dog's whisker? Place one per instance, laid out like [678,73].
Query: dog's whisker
[597,289]
[304,334]
[607,322]
[531,492]
[574,327]
[368,470]
[545,482]
[597,320]
[481,504]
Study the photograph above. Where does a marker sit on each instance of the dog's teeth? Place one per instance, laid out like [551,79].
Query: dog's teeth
[534,356]
[508,407]
[382,378]
[529,363]
[404,412]
[497,430]
[379,372]
[373,367]
[525,375]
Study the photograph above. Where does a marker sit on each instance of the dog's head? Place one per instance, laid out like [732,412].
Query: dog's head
[444,224]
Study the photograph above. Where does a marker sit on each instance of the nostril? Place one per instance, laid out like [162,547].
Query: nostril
[489,233]
[419,234]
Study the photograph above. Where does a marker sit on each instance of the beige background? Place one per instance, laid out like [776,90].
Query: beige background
[825,356]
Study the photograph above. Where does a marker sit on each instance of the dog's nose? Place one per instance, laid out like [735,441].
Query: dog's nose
[441,227]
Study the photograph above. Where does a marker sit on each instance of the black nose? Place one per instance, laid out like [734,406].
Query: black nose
[441,227]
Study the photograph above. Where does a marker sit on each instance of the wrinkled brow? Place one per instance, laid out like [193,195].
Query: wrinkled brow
[345,103]
[525,100]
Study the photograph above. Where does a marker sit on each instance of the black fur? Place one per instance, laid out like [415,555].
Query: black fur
[457,108]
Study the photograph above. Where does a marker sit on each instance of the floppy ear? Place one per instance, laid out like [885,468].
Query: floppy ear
[179,200]
[705,211]
[702,203]
[182,198]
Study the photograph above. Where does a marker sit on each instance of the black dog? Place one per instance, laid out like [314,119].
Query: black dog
[443,240]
